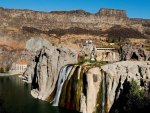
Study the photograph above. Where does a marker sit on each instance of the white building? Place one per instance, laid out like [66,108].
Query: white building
[19,67]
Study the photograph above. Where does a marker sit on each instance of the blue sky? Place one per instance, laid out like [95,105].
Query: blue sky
[135,8]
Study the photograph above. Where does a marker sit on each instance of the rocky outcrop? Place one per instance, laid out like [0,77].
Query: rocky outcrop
[93,79]
[85,88]
[137,53]
[81,89]
[107,55]
[60,19]
[44,69]
[63,19]
[66,27]
[118,74]
[93,89]
[36,43]
[113,12]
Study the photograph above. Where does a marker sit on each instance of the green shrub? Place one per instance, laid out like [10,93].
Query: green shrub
[136,98]
[2,70]
[132,100]
[82,60]
[7,68]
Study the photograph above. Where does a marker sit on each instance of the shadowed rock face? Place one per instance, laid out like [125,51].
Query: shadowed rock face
[97,89]
[87,89]
[136,53]
[118,74]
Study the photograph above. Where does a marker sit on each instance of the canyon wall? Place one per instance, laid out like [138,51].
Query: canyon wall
[44,69]
[96,89]
[65,27]
[86,88]
[21,24]
[61,19]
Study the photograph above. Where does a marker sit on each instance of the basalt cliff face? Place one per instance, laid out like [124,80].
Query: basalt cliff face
[43,71]
[85,88]
[42,22]
[65,27]
[65,19]
[61,19]
[96,89]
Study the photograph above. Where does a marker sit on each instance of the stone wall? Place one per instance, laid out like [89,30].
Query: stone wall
[107,55]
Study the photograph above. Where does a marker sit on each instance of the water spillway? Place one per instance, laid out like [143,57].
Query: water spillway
[64,72]
[74,82]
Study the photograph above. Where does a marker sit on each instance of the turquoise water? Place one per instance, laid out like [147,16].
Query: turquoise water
[15,98]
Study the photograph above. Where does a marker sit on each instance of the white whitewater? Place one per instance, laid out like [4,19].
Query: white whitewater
[64,72]
[103,93]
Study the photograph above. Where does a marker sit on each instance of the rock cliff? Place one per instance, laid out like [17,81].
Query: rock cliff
[44,69]
[87,88]
[65,19]
[97,89]
[66,27]
[61,19]
[118,74]
[136,53]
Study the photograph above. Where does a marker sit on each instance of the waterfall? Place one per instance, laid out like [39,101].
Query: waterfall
[64,72]
[103,93]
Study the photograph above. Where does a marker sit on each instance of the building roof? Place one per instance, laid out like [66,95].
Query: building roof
[22,62]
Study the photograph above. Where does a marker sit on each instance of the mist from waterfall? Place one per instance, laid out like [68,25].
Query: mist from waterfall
[64,72]
[103,93]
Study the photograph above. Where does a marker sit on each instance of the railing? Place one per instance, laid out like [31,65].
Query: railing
[105,48]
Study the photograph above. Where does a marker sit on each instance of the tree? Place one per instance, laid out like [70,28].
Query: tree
[131,100]
[137,101]
[2,70]
[7,68]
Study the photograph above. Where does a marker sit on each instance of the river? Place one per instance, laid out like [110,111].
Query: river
[15,98]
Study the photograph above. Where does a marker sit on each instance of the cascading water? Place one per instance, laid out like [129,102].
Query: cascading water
[64,72]
[103,93]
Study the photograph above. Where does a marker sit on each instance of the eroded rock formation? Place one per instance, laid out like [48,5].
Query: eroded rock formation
[118,74]
[44,69]
[66,27]
[36,43]
[136,52]
[94,89]
[87,88]
[107,55]
[61,19]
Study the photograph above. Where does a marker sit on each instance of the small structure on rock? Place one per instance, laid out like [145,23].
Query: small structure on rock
[100,53]
[19,67]
[87,47]
[92,55]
